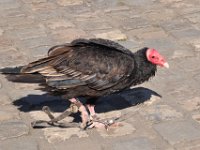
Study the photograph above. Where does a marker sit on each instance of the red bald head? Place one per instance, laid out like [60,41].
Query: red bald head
[155,58]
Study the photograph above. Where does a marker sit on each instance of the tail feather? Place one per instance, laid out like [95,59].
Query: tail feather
[11,70]
[26,78]
[14,74]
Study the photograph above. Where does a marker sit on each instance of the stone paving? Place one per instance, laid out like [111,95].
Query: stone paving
[169,120]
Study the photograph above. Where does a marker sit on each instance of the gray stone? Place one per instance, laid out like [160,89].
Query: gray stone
[4,99]
[134,23]
[8,59]
[119,129]
[186,8]
[119,8]
[11,4]
[158,113]
[90,25]
[17,22]
[170,1]
[196,44]
[149,32]
[12,129]
[156,17]
[191,145]
[165,44]
[140,2]
[39,51]
[8,1]
[81,144]
[22,143]
[186,34]
[13,13]
[170,48]
[35,1]
[59,23]
[178,131]
[185,64]
[183,51]
[8,113]
[29,33]
[134,144]
[157,34]
[56,135]
[175,24]
[42,6]
[37,42]
[197,77]
[86,16]
[194,17]
[44,145]
[129,44]
[196,117]
[69,2]
[112,35]
[1,32]
[5,43]
[47,15]
[67,35]
[106,4]
[191,104]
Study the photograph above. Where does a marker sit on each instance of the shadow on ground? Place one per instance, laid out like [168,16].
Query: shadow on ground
[113,102]
[116,101]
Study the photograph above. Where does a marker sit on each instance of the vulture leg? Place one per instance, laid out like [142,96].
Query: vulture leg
[96,122]
[83,111]
[103,124]
[93,115]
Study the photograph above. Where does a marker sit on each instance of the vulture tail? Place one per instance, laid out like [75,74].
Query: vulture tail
[11,70]
[14,74]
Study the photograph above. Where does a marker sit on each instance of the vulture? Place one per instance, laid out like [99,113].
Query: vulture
[91,68]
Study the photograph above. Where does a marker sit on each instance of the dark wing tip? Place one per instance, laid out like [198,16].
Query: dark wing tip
[11,70]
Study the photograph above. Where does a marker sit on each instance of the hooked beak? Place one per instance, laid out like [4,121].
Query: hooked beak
[166,65]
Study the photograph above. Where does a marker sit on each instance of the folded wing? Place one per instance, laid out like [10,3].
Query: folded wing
[98,64]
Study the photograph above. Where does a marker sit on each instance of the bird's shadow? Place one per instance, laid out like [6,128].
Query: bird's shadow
[112,102]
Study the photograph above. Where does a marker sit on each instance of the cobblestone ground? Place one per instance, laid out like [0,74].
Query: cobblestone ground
[28,28]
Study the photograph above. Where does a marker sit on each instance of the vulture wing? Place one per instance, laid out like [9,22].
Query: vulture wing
[96,63]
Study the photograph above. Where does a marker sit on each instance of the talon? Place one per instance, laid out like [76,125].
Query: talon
[98,125]
[83,126]
[94,118]
[103,124]
[73,108]
[46,109]
[110,122]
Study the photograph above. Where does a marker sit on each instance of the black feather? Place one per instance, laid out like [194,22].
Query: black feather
[11,70]
[14,74]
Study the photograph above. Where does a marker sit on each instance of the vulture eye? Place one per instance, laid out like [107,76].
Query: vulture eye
[153,57]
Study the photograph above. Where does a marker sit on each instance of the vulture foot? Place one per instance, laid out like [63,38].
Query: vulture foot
[103,124]
[54,121]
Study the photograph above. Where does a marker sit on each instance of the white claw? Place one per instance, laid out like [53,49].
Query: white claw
[111,121]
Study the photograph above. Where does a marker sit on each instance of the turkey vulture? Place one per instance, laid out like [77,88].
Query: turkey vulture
[91,68]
